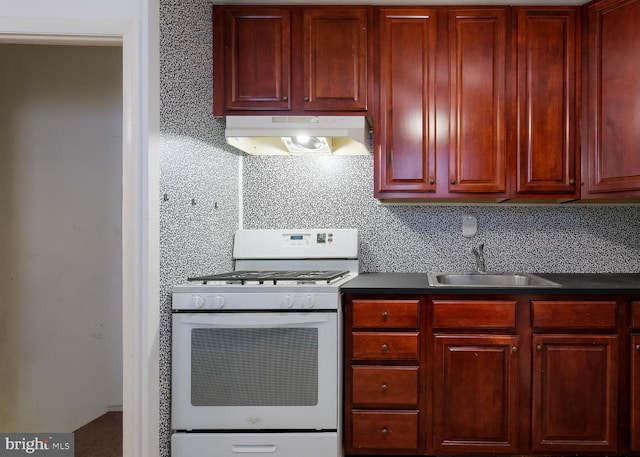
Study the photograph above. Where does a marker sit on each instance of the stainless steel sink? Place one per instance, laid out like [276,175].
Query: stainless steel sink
[474,279]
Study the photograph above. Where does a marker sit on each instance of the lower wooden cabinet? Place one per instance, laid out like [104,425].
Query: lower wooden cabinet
[635,393]
[575,395]
[475,400]
[486,375]
[384,389]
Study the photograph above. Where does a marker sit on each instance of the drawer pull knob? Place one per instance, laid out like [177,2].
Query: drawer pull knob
[431,180]
[514,349]
[539,347]
[384,387]
[285,98]
[385,316]
[385,431]
[384,348]
[637,347]
[453,181]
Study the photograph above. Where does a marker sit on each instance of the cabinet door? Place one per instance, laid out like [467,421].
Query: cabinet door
[613,97]
[335,56]
[475,404]
[635,392]
[546,99]
[405,142]
[257,58]
[477,75]
[575,393]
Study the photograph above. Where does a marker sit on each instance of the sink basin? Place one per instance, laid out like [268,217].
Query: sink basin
[488,280]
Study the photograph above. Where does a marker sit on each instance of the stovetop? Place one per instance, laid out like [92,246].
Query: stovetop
[272,277]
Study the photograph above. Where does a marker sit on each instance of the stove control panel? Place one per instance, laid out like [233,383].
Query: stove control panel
[205,301]
[296,244]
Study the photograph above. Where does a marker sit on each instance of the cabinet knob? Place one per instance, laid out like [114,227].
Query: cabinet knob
[453,181]
[285,98]
[384,387]
[305,98]
[384,431]
[431,180]
[539,347]
[572,181]
[385,315]
[637,347]
[384,348]
[514,349]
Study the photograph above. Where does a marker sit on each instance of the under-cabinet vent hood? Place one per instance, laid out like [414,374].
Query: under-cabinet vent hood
[297,135]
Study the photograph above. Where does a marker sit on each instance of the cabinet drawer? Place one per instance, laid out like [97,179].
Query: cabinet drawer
[386,313]
[384,430]
[385,386]
[498,314]
[635,314]
[570,314]
[385,346]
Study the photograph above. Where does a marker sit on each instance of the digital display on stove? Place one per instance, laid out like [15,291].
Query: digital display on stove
[296,237]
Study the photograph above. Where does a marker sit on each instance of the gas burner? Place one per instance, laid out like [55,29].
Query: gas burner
[272,277]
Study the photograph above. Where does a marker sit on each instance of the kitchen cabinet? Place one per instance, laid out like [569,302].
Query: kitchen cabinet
[475,377]
[460,87]
[478,113]
[405,149]
[492,373]
[424,93]
[612,136]
[635,376]
[575,376]
[385,391]
[548,64]
[292,60]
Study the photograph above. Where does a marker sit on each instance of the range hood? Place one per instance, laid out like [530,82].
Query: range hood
[298,135]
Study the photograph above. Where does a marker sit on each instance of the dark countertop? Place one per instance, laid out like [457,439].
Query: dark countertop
[570,283]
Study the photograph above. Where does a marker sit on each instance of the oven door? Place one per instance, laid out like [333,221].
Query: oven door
[258,371]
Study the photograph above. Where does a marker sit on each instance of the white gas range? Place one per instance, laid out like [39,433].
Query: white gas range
[256,351]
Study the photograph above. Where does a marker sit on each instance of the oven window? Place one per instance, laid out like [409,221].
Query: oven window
[254,367]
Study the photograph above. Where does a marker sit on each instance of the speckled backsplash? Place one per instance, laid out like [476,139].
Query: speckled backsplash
[199,198]
[284,192]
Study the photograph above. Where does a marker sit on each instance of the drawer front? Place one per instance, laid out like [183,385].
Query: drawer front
[635,314]
[498,314]
[385,430]
[568,314]
[386,313]
[385,386]
[385,346]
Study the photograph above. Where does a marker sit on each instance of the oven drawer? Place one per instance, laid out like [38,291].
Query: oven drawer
[385,346]
[397,430]
[268,444]
[385,386]
[386,313]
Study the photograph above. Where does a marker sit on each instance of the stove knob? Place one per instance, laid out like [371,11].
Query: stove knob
[309,301]
[197,302]
[287,301]
[216,302]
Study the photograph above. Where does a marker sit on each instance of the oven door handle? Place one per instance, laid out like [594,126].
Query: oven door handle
[254,320]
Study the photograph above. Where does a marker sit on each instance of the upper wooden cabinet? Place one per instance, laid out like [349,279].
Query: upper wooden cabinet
[613,160]
[477,75]
[405,150]
[440,122]
[478,103]
[293,60]
[548,60]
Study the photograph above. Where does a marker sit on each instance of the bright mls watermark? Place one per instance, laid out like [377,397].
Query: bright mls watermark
[36,444]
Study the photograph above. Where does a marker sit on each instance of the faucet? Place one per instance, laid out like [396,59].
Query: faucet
[479,253]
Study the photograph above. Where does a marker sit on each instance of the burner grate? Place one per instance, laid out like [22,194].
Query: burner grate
[273,277]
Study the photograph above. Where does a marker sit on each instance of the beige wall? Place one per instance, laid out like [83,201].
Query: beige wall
[60,235]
